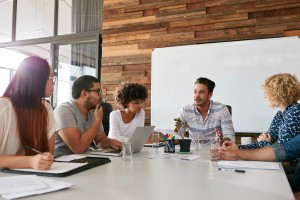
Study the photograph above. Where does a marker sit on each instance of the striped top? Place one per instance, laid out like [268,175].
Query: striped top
[218,116]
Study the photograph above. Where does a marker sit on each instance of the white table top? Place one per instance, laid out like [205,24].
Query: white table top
[170,179]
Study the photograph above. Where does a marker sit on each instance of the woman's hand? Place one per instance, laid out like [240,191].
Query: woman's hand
[264,137]
[115,144]
[42,161]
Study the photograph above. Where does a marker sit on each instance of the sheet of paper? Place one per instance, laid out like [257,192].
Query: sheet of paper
[50,186]
[174,156]
[57,167]
[20,183]
[68,158]
[169,131]
[248,164]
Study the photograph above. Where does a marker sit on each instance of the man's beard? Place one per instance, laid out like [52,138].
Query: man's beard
[90,106]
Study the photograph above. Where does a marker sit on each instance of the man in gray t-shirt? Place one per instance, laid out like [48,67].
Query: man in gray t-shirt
[80,120]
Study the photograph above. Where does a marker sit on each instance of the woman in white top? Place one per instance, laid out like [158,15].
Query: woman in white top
[131,97]
[27,122]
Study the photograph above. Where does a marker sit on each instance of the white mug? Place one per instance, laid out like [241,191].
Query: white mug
[246,140]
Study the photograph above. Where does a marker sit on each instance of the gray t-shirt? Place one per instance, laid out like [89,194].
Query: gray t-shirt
[67,115]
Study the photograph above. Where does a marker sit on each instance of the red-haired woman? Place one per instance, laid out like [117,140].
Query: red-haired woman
[27,123]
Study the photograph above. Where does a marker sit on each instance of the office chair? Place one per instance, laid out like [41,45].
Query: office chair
[107,108]
[229,108]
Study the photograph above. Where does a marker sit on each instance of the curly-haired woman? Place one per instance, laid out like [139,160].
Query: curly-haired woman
[131,97]
[282,91]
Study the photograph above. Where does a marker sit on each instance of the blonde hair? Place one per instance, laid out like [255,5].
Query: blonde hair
[282,89]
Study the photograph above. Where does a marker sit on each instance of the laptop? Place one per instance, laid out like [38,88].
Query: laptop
[139,138]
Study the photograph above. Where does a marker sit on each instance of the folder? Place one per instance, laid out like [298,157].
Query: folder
[63,169]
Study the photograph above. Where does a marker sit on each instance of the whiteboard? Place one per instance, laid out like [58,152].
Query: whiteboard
[238,69]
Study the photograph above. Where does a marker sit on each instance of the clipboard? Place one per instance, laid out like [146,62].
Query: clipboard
[69,168]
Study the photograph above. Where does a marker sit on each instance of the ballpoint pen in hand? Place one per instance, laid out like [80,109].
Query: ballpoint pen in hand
[33,149]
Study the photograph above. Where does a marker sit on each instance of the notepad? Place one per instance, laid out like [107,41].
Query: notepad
[248,165]
[57,168]
[63,169]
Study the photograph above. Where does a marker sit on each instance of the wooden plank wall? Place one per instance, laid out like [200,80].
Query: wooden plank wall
[132,28]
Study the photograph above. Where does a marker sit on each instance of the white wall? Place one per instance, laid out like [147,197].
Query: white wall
[238,69]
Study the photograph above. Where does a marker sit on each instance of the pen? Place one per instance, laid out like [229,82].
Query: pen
[33,149]
[233,170]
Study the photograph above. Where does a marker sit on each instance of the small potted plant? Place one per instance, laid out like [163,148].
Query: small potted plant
[180,128]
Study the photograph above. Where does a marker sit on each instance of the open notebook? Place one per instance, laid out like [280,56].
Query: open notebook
[139,138]
[63,169]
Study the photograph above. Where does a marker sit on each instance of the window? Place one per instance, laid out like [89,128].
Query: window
[70,45]
[6,10]
[8,65]
[35,19]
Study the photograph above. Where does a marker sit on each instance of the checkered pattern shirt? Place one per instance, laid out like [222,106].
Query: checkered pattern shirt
[218,116]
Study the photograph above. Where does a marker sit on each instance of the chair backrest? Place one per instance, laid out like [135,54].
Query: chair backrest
[229,108]
[107,108]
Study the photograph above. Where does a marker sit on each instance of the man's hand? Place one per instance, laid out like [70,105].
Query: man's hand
[42,161]
[229,151]
[98,113]
[219,136]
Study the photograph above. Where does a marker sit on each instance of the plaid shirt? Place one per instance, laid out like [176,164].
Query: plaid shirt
[218,116]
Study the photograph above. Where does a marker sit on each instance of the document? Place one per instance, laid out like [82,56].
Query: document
[57,168]
[248,164]
[26,185]
[20,184]
[173,156]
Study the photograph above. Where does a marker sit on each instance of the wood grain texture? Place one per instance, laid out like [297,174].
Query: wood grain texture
[133,28]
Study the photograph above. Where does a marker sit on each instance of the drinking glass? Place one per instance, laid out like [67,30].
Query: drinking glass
[155,139]
[214,151]
[127,149]
[197,145]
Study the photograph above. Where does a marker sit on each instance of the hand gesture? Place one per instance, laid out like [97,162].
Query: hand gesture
[115,144]
[42,161]
[98,113]
[264,137]
[229,151]
[219,136]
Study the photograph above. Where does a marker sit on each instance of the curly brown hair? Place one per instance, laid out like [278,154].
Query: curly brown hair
[282,88]
[130,91]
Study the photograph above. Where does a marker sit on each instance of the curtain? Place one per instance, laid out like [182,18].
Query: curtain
[86,16]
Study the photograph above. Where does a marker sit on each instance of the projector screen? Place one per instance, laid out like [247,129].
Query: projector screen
[238,69]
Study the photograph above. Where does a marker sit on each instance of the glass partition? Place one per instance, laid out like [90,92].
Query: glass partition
[74,60]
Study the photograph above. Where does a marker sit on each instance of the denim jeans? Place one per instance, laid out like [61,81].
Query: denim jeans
[287,152]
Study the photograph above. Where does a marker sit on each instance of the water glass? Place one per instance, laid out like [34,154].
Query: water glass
[214,151]
[127,149]
[155,139]
[197,144]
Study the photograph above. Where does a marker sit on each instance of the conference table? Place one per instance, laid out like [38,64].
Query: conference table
[151,175]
